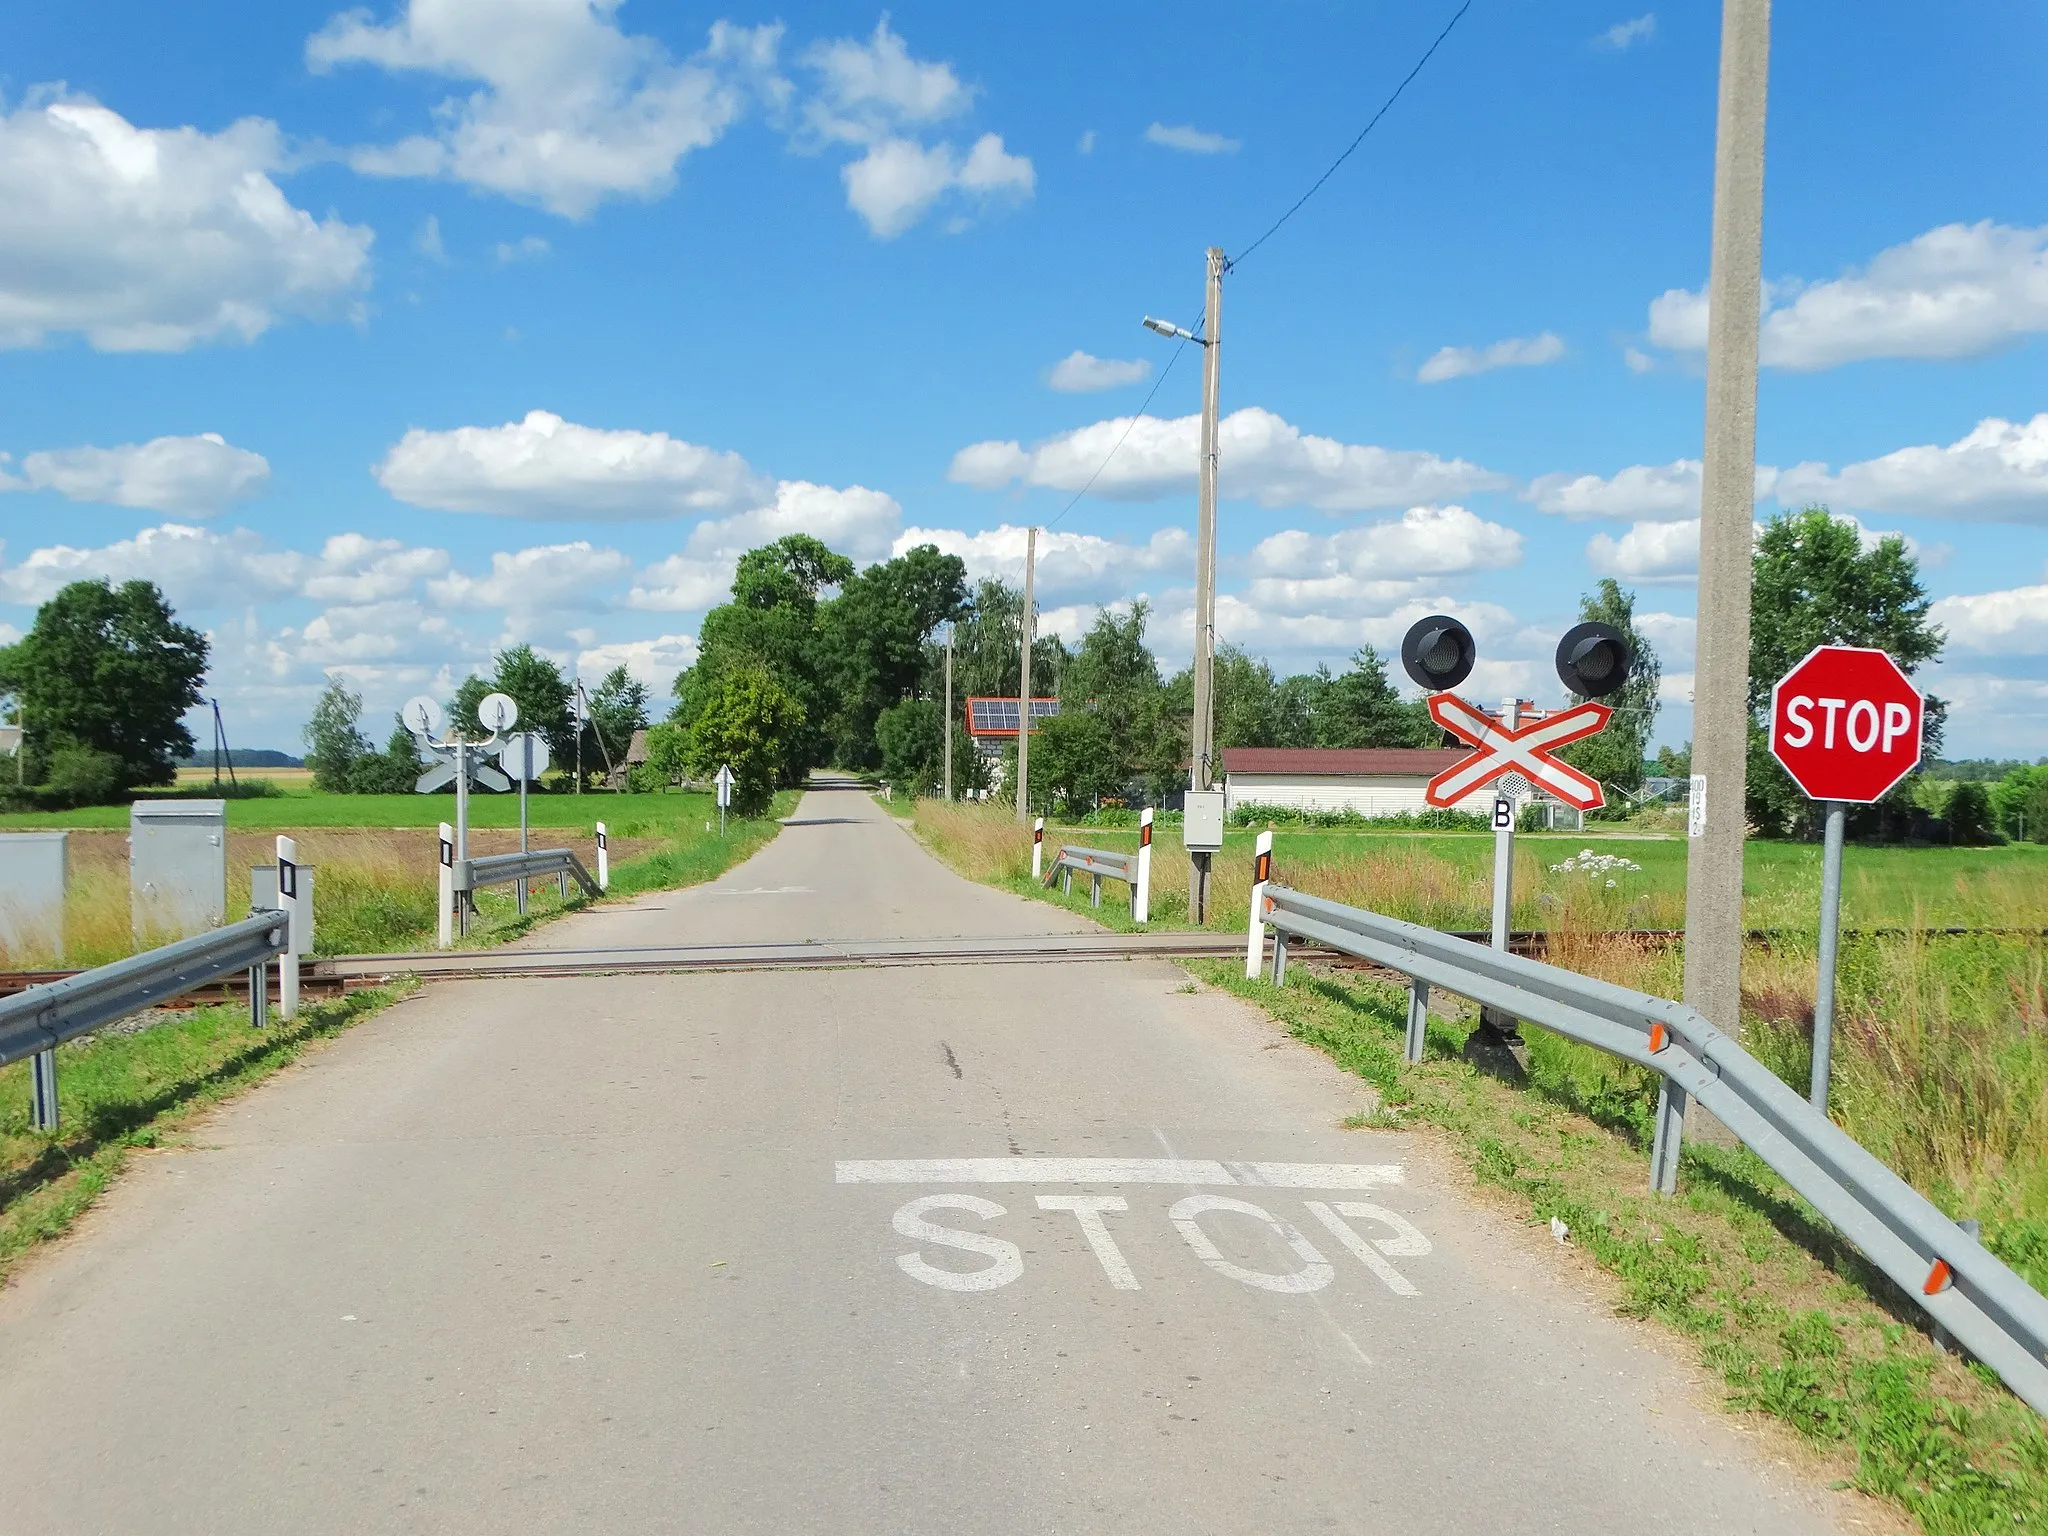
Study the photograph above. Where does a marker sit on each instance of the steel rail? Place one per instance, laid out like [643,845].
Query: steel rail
[1960,1284]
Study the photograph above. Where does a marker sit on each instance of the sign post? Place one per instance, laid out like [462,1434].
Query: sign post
[288,899]
[1846,724]
[1255,936]
[1037,847]
[1141,894]
[725,783]
[444,926]
[524,757]
[604,859]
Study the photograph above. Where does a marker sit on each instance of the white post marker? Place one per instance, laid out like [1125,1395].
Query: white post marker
[462,832]
[604,859]
[1141,894]
[288,901]
[444,935]
[725,783]
[1038,848]
[1255,940]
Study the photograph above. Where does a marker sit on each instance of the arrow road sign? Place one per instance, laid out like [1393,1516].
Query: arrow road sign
[725,782]
[1846,723]
[1527,750]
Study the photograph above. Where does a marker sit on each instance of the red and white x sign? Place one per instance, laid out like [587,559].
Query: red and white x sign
[1528,750]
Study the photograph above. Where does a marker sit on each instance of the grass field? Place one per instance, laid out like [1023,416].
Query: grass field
[1940,1068]
[375,859]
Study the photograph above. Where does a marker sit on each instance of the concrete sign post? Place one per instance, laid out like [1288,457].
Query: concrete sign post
[1846,725]
[444,923]
[1141,894]
[288,900]
[725,782]
[524,758]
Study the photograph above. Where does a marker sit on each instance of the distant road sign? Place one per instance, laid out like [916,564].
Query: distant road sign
[524,756]
[497,712]
[725,783]
[1527,749]
[1846,723]
[422,716]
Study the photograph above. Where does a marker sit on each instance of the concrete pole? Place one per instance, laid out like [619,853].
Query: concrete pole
[1830,934]
[949,714]
[1720,729]
[525,769]
[1024,679]
[1202,728]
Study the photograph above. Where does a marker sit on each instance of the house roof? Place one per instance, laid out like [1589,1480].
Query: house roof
[636,749]
[1331,762]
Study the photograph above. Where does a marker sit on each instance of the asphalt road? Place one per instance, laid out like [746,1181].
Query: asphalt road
[959,1249]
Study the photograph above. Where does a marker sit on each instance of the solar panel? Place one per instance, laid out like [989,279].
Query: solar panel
[998,717]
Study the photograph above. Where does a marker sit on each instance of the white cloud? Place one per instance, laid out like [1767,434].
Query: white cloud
[682,584]
[1644,492]
[1672,635]
[157,239]
[1427,541]
[1997,472]
[874,95]
[1648,552]
[853,520]
[1080,373]
[1261,458]
[1069,564]
[546,579]
[2009,623]
[1990,714]
[568,109]
[1956,291]
[187,476]
[1675,688]
[1086,146]
[1637,360]
[1190,140]
[1624,35]
[1515,352]
[654,662]
[354,568]
[545,467]
[526,248]
[196,567]
[428,240]
[395,630]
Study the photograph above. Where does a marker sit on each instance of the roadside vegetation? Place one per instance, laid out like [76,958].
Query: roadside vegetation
[1940,1069]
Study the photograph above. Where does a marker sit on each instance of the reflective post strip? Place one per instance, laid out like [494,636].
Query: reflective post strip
[445,922]
[1141,893]
[1255,938]
[1418,1019]
[1037,847]
[604,859]
[288,899]
[42,1090]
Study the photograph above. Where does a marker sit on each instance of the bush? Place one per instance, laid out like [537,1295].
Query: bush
[383,773]
[1969,815]
[646,779]
[81,776]
[1403,821]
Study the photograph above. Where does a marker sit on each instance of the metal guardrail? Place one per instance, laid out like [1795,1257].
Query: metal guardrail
[1097,864]
[35,1022]
[535,864]
[1962,1286]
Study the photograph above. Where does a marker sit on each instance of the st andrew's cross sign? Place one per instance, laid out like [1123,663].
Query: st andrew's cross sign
[1525,750]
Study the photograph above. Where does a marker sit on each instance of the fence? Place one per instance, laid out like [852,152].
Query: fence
[1968,1292]
[36,1021]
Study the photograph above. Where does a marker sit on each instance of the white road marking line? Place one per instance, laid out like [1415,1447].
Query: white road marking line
[910,1222]
[1088,1211]
[1316,1272]
[1114,1170]
[1408,1240]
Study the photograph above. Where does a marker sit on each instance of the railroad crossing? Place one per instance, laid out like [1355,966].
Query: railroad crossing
[977,1247]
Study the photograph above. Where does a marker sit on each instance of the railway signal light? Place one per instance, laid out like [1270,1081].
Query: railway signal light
[1593,660]
[1438,653]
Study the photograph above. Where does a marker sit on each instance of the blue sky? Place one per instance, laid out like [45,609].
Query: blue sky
[381,338]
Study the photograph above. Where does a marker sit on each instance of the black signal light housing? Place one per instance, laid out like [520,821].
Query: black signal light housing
[1593,660]
[1438,653]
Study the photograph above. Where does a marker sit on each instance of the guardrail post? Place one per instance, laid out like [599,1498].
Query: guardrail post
[604,860]
[562,884]
[1141,893]
[1094,890]
[445,922]
[1670,1133]
[462,884]
[288,900]
[1279,958]
[1255,939]
[1038,848]
[259,995]
[1066,882]
[42,1090]
[1418,1020]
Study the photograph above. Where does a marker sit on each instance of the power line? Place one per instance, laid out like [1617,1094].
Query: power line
[1179,347]
[1385,107]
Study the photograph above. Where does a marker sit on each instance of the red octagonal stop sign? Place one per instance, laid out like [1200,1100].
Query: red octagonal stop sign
[1845,723]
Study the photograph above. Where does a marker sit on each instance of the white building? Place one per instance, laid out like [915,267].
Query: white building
[1373,781]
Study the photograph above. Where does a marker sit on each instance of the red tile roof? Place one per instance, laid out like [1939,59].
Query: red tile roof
[1320,762]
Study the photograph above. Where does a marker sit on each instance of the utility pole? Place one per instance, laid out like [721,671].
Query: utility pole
[581,707]
[949,714]
[1720,734]
[1024,678]
[1202,729]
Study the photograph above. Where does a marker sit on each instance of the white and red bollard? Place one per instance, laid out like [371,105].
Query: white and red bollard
[604,859]
[1255,940]
[1141,893]
[1037,847]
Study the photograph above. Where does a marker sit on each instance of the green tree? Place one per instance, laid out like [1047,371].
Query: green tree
[1968,815]
[1362,708]
[334,740]
[746,720]
[390,772]
[1815,584]
[536,685]
[2019,801]
[618,708]
[668,751]
[911,737]
[872,642]
[110,670]
[1615,756]
[1076,760]
[1674,762]
[1246,712]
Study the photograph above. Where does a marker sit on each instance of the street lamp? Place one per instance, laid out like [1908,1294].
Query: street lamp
[1173,332]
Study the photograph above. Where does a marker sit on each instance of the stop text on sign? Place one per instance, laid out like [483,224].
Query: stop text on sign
[1846,723]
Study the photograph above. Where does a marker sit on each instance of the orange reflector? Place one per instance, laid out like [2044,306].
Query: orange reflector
[1938,1278]
[1269,906]
[1658,1038]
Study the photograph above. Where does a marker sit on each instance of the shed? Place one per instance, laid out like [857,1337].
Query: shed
[1373,781]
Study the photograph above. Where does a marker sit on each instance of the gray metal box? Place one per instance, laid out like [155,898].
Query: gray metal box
[1201,829]
[177,868]
[263,898]
[34,874]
